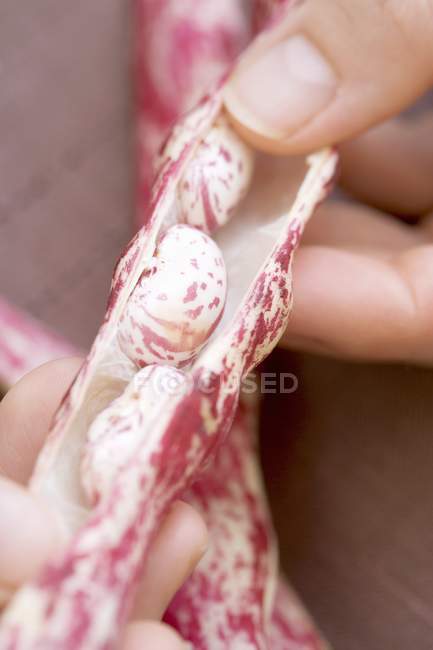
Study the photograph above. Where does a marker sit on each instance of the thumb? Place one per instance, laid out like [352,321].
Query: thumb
[329,70]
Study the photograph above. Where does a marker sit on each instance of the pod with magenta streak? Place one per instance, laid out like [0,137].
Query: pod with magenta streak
[234,599]
[217,178]
[177,303]
[228,600]
[109,539]
[182,50]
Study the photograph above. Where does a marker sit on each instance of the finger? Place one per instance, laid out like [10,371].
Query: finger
[349,225]
[151,635]
[29,535]
[26,413]
[177,548]
[363,306]
[330,70]
[390,166]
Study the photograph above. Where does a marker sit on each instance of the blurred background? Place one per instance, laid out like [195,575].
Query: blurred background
[347,457]
[65,157]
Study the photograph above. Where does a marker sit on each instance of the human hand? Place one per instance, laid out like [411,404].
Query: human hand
[327,73]
[30,533]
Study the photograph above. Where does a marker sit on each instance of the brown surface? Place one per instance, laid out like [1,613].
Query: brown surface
[348,457]
[65,198]
[349,461]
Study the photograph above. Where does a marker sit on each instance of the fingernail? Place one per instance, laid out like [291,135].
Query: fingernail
[29,534]
[283,88]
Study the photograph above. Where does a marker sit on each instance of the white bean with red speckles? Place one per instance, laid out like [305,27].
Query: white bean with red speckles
[216,179]
[116,434]
[177,303]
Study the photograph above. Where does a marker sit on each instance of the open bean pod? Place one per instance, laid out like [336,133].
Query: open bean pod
[125,443]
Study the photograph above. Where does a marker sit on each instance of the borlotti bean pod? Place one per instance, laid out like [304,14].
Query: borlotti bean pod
[200,296]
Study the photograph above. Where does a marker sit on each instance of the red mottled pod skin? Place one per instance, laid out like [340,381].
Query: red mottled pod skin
[177,302]
[216,179]
[235,597]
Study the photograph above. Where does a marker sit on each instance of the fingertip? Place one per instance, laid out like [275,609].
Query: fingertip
[177,548]
[319,76]
[60,369]
[359,305]
[187,524]
[277,89]
[150,634]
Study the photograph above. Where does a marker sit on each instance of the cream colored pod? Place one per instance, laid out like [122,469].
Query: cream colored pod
[177,303]
[216,179]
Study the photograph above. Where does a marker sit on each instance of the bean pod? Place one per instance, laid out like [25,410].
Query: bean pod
[120,456]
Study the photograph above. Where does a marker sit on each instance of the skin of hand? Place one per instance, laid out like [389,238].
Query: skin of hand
[335,72]
[25,416]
